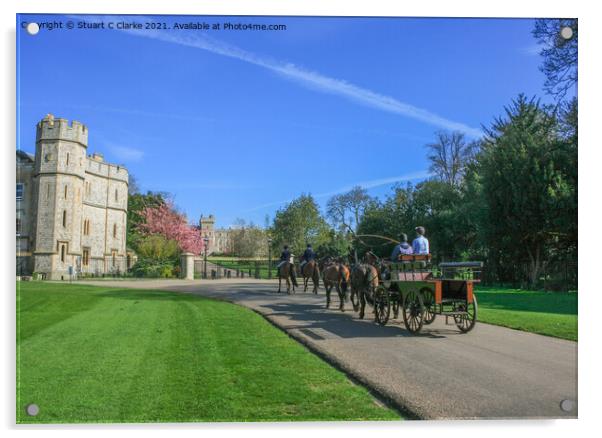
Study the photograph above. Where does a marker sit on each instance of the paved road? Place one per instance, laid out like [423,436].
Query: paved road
[491,372]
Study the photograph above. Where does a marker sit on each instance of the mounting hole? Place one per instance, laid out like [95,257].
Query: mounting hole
[567,405]
[32,409]
[566,32]
[33,28]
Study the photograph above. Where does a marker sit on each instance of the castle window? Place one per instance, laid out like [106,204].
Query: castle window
[48,191]
[18,226]
[116,196]
[20,187]
[114,230]
[67,163]
[64,218]
[63,253]
[86,227]
[86,257]
[65,191]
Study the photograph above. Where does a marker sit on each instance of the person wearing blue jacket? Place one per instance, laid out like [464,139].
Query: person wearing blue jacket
[420,245]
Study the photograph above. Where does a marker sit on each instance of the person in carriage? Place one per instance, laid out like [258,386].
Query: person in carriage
[402,248]
[420,245]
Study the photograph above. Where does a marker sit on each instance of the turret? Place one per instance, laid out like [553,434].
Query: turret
[50,128]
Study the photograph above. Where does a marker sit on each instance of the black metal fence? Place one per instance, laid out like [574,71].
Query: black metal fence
[218,268]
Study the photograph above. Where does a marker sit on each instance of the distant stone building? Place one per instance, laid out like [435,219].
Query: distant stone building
[220,240]
[71,207]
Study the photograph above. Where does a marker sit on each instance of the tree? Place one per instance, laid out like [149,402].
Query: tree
[167,222]
[450,155]
[248,240]
[345,210]
[133,187]
[559,54]
[298,224]
[526,181]
[158,248]
[137,202]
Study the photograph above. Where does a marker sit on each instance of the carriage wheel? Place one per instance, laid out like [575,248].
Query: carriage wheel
[428,299]
[382,305]
[413,311]
[467,321]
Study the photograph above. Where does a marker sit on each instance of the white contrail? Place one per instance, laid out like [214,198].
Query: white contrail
[299,74]
[364,184]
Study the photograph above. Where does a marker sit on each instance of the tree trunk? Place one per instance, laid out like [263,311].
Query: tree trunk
[534,266]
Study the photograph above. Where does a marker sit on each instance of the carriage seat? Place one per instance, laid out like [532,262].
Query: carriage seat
[414,257]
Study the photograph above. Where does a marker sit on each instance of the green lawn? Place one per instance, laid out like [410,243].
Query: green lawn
[547,313]
[99,354]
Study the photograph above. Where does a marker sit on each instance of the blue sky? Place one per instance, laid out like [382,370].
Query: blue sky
[237,123]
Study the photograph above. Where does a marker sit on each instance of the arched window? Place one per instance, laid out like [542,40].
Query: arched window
[64,218]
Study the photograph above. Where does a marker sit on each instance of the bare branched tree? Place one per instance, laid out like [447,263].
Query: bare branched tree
[559,54]
[346,209]
[450,155]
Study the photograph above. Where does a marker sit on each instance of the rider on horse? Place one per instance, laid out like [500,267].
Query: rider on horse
[285,257]
[307,256]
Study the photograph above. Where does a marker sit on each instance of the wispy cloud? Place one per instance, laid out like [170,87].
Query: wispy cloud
[125,153]
[363,184]
[134,112]
[376,183]
[210,185]
[303,76]
[532,50]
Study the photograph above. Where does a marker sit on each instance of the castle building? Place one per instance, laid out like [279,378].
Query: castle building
[71,206]
[220,240]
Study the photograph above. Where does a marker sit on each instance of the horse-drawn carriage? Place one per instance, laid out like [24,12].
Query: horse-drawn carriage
[412,286]
[421,292]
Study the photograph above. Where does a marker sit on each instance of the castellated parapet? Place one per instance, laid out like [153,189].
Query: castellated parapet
[50,128]
[78,205]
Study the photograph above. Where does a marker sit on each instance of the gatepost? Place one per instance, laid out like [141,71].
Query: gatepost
[187,265]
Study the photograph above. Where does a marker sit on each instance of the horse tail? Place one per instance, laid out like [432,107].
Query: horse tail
[342,278]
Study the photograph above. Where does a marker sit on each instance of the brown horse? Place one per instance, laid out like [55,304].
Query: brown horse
[336,275]
[311,270]
[364,281]
[285,272]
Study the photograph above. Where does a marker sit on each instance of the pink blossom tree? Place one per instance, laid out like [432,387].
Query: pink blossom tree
[166,221]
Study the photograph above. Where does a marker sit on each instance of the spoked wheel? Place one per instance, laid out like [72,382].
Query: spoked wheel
[428,299]
[466,321]
[382,305]
[413,311]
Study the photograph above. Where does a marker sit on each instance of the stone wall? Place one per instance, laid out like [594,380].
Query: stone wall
[70,188]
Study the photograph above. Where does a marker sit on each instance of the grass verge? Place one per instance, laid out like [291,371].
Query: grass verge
[546,313]
[99,354]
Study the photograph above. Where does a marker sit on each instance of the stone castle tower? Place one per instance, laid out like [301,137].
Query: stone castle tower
[77,206]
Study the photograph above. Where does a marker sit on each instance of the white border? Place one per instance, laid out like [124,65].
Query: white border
[590,243]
